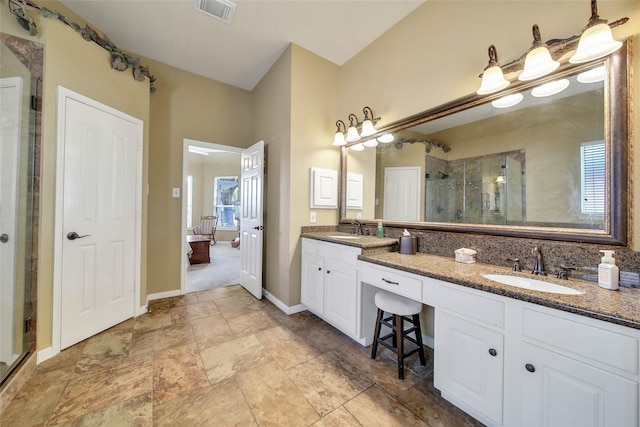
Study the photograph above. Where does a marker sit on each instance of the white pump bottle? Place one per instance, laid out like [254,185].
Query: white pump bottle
[608,272]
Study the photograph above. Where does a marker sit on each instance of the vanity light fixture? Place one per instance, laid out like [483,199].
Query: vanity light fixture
[386,138]
[352,132]
[593,75]
[550,88]
[368,128]
[338,139]
[508,101]
[500,179]
[492,78]
[358,130]
[596,40]
[370,143]
[357,147]
[538,61]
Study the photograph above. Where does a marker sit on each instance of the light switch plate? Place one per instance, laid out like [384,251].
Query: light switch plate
[176,192]
[312,217]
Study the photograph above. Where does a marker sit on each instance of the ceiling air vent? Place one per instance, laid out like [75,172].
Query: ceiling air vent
[221,9]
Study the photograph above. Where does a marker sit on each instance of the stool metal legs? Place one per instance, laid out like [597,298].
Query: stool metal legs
[398,335]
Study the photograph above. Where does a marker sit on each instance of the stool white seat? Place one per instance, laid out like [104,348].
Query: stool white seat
[392,303]
[401,309]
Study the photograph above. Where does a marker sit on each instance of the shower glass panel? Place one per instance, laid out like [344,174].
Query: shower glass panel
[480,190]
[19,169]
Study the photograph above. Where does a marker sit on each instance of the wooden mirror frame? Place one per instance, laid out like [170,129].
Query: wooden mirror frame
[618,138]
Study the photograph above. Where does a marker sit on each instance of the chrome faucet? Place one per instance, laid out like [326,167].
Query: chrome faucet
[538,265]
[359,224]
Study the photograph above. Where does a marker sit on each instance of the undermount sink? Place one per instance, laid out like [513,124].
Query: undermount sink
[532,284]
[344,237]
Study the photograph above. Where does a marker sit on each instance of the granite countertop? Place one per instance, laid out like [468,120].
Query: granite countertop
[621,306]
[364,242]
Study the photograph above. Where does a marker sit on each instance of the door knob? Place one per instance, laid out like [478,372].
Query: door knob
[529,367]
[493,352]
[73,235]
[4,238]
[258,227]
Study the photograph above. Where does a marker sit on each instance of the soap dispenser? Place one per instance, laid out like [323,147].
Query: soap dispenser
[608,273]
[380,230]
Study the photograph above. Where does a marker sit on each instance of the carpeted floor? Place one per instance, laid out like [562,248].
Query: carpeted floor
[224,269]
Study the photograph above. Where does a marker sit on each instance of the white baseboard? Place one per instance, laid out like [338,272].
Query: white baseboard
[282,306]
[141,310]
[45,354]
[160,295]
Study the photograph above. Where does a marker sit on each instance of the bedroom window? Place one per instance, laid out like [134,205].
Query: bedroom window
[226,202]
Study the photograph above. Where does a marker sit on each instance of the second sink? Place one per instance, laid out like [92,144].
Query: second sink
[532,284]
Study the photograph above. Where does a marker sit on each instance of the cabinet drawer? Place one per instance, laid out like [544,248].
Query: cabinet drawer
[473,306]
[598,344]
[392,280]
[346,254]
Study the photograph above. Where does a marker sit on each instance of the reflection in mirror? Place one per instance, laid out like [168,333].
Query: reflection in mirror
[18,84]
[541,164]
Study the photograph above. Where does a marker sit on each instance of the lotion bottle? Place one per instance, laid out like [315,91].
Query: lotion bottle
[380,230]
[608,272]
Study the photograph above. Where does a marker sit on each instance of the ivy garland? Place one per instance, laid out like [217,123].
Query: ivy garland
[120,60]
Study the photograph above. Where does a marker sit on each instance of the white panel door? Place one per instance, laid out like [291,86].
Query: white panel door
[251,228]
[10,125]
[98,224]
[402,193]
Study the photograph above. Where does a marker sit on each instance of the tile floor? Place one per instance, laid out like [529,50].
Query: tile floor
[221,358]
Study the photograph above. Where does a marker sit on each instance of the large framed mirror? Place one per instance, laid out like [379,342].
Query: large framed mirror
[553,166]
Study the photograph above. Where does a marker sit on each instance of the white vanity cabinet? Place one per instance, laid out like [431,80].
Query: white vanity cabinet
[469,352]
[576,371]
[330,282]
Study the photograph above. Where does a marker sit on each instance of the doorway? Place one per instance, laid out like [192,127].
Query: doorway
[211,174]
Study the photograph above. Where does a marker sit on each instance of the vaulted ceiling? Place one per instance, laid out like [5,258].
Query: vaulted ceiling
[241,52]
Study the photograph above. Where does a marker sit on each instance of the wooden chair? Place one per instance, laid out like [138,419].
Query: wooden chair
[207,227]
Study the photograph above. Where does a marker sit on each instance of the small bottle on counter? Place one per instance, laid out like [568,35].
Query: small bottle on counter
[380,229]
[608,272]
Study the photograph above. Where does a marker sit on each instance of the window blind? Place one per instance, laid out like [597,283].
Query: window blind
[592,159]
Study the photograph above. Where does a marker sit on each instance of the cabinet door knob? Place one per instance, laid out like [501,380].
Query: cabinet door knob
[319,268]
[328,271]
[493,352]
[529,367]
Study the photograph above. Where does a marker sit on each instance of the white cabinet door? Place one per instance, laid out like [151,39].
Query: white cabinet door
[469,364]
[312,286]
[560,391]
[340,296]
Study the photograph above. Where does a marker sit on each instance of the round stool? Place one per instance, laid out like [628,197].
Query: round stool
[400,309]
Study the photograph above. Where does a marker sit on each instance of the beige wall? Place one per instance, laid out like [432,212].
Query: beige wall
[272,123]
[314,102]
[185,105]
[292,105]
[436,54]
